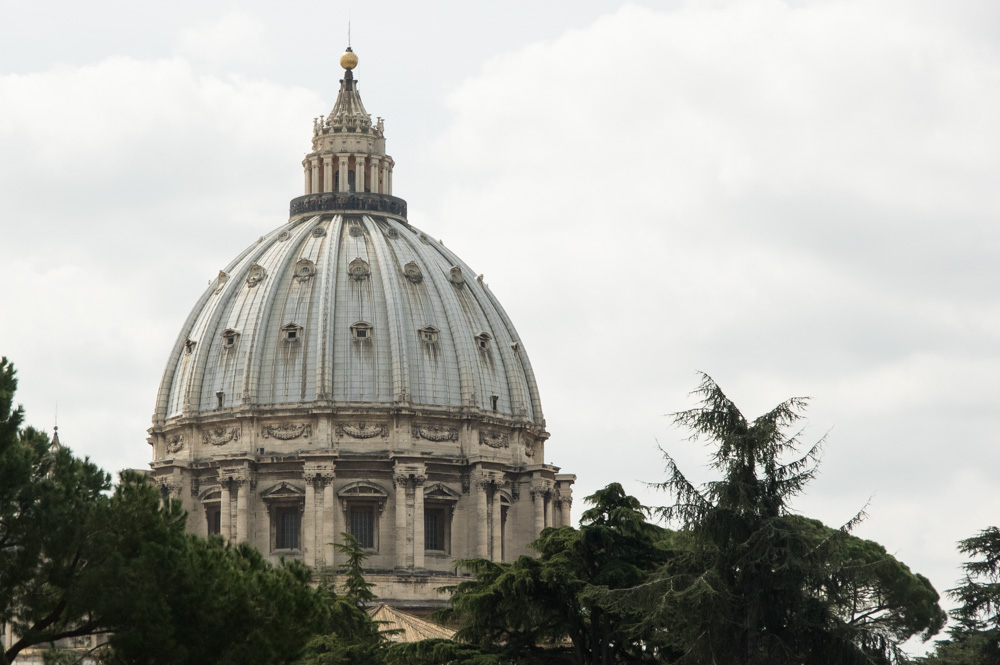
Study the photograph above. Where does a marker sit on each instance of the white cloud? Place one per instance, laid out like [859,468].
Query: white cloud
[796,199]
[126,185]
[230,38]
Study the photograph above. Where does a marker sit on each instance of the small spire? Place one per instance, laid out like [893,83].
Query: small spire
[348,112]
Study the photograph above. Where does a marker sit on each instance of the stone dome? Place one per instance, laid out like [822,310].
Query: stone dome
[348,309]
[347,373]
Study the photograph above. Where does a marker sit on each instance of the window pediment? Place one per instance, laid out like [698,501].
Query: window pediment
[283,491]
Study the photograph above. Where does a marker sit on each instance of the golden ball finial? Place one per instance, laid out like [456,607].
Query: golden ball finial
[349,60]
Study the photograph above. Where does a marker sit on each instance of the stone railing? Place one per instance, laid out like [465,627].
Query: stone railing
[340,201]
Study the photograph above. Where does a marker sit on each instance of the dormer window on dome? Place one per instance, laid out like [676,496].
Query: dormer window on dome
[361,331]
[359,270]
[483,340]
[229,337]
[189,345]
[429,334]
[291,333]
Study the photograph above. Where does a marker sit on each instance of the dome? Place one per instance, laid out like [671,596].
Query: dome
[348,308]
[347,373]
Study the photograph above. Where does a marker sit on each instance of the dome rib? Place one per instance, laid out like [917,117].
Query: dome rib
[457,326]
[328,273]
[268,372]
[192,380]
[394,315]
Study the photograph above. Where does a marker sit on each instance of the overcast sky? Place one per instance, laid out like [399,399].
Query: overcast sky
[798,198]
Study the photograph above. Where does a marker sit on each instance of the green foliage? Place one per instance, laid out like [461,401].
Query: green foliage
[356,588]
[349,636]
[77,560]
[550,608]
[747,582]
[975,637]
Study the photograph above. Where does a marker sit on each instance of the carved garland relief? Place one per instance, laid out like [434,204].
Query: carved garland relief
[362,430]
[219,436]
[494,439]
[435,432]
[175,443]
[286,431]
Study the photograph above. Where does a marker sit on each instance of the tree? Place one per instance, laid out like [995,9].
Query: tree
[753,583]
[550,609]
[349,636]
[77,560]
[975,637]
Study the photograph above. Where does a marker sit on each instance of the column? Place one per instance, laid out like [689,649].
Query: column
[567,517]
[401,553]
[385,176]
[359,173]
[418,521]
[373,185]
[327,173]
[538,496]
[482,520]
[308,545]
[242,505]
[314,168]
[495,525]
[342,177]
[548,509]
[225,511]
[308,173]
[388,182]
[329,521]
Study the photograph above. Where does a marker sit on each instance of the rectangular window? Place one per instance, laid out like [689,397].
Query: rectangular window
[214,518]
[362,523]
[287,528]
[434,529]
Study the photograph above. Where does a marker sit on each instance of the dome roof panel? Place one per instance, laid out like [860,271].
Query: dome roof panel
[355,308]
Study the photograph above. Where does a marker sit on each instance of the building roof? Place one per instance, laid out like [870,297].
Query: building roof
[408,627]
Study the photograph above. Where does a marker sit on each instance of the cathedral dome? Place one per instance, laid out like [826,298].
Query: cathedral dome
[349,308]
[347,373]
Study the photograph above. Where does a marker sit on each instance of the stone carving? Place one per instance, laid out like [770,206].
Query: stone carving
[424,239]
[412,272]
[359,270]
[286,431]
[392,233]
[494,439]
[356,231]
[175,443]
[529,448]
[304,270]
[318,232]
[255,275]
[218,436]
[283,236]
[435,432]
[455,276]
[220,281]
[362,430]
